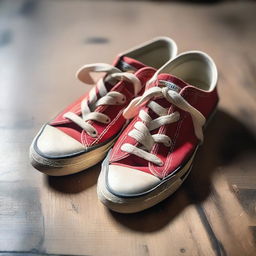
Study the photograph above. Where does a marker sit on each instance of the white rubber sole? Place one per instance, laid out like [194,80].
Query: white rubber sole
[139,203]
[68,165]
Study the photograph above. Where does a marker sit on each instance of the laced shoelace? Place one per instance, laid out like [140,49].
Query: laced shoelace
[89,105]
[141,132]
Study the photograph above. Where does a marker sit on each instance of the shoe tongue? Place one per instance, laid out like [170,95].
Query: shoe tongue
[127,64]
[170,81]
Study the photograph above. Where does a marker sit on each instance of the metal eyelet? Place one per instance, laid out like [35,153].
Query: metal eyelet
[168,144]
[94,134]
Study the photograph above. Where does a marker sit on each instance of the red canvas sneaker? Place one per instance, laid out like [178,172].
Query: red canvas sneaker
[154,154]
[81,135]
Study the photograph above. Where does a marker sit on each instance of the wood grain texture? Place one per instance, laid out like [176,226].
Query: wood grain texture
[42,43]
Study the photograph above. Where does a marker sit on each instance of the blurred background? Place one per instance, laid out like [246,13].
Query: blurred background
[42,44]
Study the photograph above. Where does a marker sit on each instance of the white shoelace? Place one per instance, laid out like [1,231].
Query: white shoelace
[141,132]
[105,98]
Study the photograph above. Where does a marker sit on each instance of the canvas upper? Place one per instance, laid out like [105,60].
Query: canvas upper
[190,80]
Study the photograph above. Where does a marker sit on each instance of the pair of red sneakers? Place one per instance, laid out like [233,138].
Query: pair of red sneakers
[150,107]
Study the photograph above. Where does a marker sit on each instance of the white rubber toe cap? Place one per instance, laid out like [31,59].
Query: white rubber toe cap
[55,143]
[127,181]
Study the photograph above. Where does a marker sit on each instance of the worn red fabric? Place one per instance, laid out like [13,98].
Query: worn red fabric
[181,132]
[105,131]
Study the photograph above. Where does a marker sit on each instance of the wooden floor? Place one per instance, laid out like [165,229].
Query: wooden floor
[42,43]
